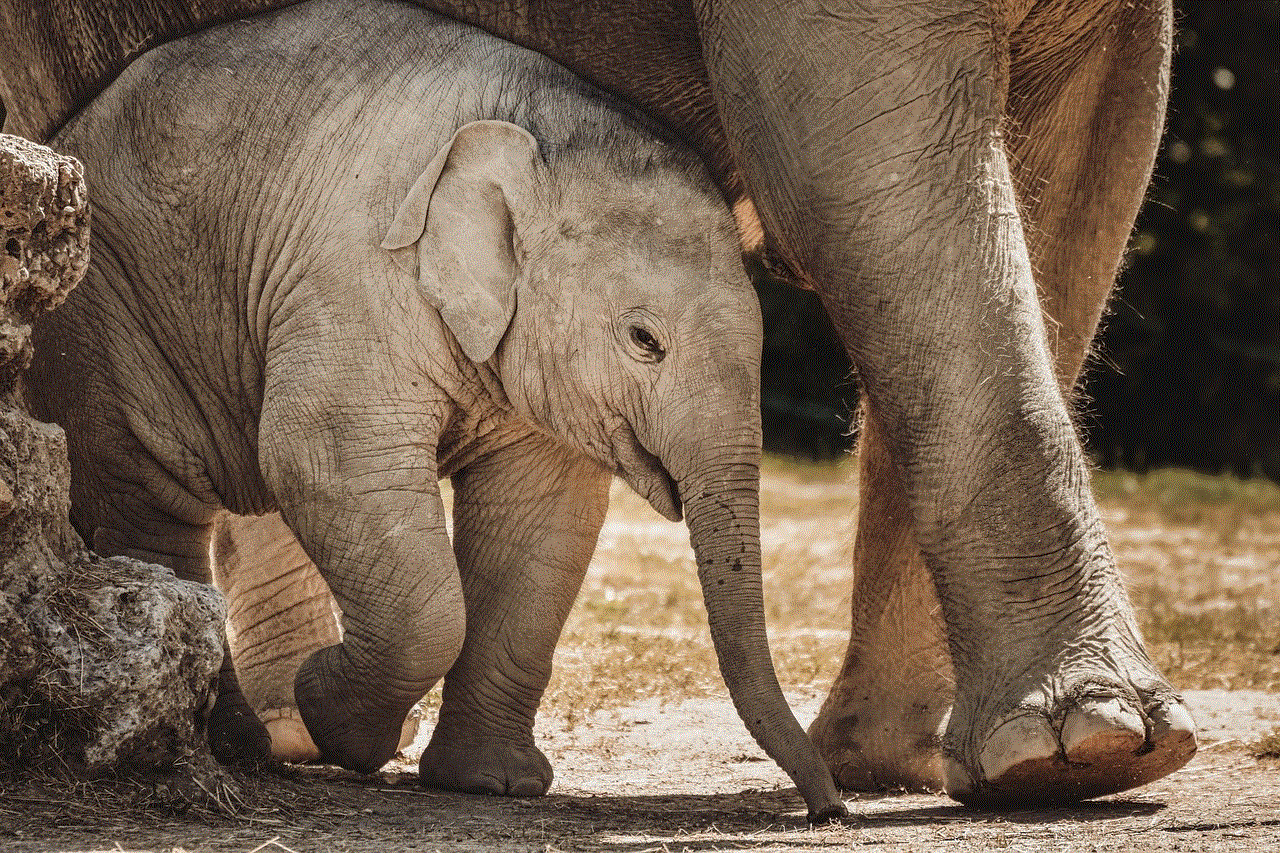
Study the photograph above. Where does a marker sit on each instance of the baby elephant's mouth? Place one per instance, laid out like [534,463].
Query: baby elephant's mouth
[645,475]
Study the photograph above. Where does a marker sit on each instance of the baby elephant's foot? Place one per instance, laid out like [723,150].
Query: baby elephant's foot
[1097,739]
[485,767]
[290,740]
[236,736]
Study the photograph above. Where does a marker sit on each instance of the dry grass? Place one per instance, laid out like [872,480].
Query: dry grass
[1267,746]
[639,629]
[1202,555]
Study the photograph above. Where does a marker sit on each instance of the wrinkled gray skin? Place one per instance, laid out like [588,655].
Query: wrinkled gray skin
[453,260]
[279,613]
[957,179]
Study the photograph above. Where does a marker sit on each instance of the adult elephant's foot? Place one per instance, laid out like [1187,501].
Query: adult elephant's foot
[1097,737]
[881,725]
[485,766]
[880,741]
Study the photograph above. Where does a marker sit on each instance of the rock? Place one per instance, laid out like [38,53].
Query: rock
[44,216]
[121,666]
[102,661]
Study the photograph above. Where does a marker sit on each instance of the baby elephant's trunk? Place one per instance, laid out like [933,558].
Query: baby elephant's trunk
[722,506]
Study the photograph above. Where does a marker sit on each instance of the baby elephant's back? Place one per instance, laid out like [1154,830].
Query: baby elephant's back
[304,124]
[217,167]
[315,80]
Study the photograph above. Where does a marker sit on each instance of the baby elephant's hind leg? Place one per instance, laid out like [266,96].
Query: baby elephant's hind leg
[279,611]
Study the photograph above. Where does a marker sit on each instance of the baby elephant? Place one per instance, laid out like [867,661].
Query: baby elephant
[452,260]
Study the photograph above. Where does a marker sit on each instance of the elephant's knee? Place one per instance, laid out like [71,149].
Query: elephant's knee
[354,697]
[430,645]
[410,650]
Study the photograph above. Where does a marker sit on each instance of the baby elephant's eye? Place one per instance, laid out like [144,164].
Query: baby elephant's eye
[645,339]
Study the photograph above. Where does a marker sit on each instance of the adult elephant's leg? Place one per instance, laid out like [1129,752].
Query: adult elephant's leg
[1086,110]
[526,518]
[279,612]
[880,724]
[874,149]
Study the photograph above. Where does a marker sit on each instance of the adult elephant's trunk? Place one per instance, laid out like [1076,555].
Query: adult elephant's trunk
[722,506]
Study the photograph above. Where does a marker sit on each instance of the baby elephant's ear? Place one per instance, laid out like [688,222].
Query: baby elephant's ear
[459,216]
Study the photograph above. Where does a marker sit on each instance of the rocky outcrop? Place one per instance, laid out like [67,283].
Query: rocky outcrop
[102,661]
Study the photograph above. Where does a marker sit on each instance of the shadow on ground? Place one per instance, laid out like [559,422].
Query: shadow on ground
[320,808]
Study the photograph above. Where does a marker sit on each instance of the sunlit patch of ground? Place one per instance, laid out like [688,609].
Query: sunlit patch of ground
[650,756]
[639,629]
[1202,556]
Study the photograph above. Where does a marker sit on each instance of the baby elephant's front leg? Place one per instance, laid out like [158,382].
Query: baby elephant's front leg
[279,613]
[402,623]
[526,520]
[353,472]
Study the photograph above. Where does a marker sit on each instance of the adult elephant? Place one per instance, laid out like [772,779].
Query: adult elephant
[957,181]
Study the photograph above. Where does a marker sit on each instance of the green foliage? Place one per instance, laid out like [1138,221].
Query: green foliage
[1184,496]
[808,395]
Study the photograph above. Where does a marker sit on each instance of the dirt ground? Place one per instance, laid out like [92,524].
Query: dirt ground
[650,756]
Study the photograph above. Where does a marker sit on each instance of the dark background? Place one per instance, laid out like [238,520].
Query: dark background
[1187,369]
